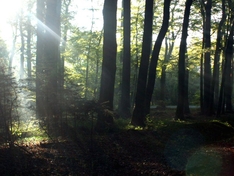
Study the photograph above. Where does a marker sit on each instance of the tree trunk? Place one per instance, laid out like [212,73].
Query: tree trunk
[22,48]
[229,76]
[138,117]
[225,97]
[40,61]
[207,66]
[96,90]
[202,61]
[215,78]
[125,89]
[108,63]
[181,64]
[155,55]
[29,54]
[52,55]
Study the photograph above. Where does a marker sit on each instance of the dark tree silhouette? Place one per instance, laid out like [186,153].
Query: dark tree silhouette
[138,116]
[225,96]
[108,63]
[226,87]
[207,60]
[215,78]
[155,56]
[125,89]
[181,64]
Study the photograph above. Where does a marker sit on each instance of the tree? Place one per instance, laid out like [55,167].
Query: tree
[40,60]
[125,89]
[48,56]
[207,59]
[155,55]
[29,53]
[169,46]
[181,62]
[52,55]
[218,49]
[22,48]
[138,116]
[136,33]
[225,96]
[108,63]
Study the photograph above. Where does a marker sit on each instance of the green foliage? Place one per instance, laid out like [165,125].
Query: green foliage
[8,103]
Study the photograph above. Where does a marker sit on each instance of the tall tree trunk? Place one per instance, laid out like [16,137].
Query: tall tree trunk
[52,55]
[229,76]
[225,96]
[108,63]
[12,53]
[96,90]
[125,89]
[40,60]
[169,46]
[163,76]
[88,56]
[186,85]
[138,116]
[202,61]
[29,54]
[181,64]
[155,56]
[136,58]
[215,78]
[61,63]
[207,61]
[22,48]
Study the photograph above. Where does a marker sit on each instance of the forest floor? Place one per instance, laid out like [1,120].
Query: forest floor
[199,146]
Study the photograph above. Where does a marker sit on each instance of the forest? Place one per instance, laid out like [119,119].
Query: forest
[111,87]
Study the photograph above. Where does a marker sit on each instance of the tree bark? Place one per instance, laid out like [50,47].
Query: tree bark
[108,63]
[207,60]
[29,54]
[181,64]
[125,107]
[138,117]
[40,60]
[22,48]
[155,56]
[215,78]
[52,55]
[225,96]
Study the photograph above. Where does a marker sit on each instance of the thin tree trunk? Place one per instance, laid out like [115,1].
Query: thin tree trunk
[22,48]
[225,96]
[96,90]
[215,78]
[202,62]
[88,56]
[40,65]
[207,61]
[12,53]
[186,86]
[29,54]
[229,76]
[155,56]
[136,65]
[125,89]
